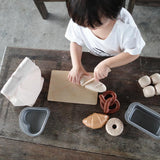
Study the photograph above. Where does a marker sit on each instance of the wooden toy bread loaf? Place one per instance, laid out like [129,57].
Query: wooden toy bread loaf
[92,84]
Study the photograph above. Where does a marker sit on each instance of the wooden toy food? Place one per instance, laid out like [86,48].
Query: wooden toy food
[109,102]
[114,127]
[157,88]
[95,120]
[144,81]
[155,78]
[149,91]
[92,84]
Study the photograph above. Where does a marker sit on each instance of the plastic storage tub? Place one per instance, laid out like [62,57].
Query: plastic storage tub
[32,120]
[144,118]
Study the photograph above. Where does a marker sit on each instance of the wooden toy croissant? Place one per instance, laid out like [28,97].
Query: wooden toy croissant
[95,120]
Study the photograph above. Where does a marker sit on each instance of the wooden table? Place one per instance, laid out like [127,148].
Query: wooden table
[65,137]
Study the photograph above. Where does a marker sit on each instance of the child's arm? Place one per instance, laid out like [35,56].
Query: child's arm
[102,69]
[77,69]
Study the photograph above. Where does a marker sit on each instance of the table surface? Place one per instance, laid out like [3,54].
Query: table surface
[65,137]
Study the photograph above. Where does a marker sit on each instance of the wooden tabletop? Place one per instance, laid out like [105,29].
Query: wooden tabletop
[65,137]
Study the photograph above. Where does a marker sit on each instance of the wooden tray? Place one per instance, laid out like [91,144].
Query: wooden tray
[61,90]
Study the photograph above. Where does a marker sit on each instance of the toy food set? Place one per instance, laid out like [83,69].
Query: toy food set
[109,104]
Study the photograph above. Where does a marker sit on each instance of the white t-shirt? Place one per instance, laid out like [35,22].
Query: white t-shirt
[124,37]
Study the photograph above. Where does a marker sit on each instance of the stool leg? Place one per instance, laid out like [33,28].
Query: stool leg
[42,8]
[131,5]
[124,3]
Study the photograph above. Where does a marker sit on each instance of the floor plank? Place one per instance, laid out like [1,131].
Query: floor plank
[18,150]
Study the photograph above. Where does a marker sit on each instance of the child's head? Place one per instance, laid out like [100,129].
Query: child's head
[88,13]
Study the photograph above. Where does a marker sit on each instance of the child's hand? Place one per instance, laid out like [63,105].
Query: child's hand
[101,71]
[76,73]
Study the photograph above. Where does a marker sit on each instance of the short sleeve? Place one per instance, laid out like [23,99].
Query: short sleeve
[73,33]
[132,41]
[126,17]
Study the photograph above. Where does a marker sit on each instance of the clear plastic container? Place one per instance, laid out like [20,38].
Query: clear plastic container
[144,118]
[32,120]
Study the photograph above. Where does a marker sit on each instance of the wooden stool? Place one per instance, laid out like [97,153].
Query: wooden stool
[42,8]
[153,3]
[44,13]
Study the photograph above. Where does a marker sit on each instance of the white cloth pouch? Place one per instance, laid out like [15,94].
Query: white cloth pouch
[24,85]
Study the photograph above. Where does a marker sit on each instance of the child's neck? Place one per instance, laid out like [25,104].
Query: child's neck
[103,31]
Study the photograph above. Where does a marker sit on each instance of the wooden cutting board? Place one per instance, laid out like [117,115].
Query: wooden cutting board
[61,90]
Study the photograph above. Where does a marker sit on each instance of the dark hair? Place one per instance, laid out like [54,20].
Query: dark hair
[88,13]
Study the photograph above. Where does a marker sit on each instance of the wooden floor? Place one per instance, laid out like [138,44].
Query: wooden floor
[19,150]
[65,137]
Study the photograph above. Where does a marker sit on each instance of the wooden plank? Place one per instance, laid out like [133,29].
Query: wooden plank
[19,150]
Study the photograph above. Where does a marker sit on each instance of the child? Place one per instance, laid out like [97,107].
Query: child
[106,29]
